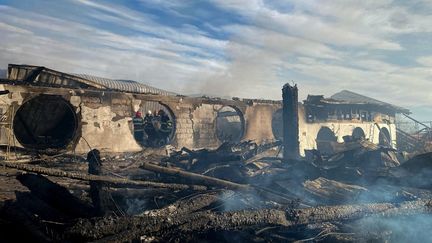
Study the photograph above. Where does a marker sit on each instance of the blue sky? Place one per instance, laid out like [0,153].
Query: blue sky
[244,48]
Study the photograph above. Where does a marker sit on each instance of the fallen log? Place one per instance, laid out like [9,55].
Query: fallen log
[201,222]
[111,181]
[226,152]
[206,180]
[154,219]
[127,228]
[352,212]
[145,192]
[184,206]
[24,161]
[212,181]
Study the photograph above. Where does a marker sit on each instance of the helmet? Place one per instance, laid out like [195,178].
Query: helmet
[138,114]
[149,112]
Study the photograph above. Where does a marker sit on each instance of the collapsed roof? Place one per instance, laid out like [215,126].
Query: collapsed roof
[42,76]
[346,97]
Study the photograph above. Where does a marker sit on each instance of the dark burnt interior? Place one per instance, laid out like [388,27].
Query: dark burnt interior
[45,122]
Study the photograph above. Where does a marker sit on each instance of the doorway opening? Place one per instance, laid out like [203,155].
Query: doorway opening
[229,124]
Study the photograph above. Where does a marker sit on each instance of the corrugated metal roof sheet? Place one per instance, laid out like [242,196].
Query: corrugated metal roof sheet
[125,85]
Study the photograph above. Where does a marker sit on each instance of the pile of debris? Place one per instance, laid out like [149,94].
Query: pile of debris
[235,192]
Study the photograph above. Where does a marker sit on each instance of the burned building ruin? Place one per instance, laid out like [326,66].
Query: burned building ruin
[96,159]
[48,109]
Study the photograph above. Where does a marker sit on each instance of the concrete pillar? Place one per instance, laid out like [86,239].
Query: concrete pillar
[290,122]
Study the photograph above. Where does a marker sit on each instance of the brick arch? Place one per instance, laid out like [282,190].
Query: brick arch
[230,124]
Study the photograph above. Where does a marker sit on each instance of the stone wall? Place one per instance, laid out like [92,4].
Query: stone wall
[105,119]
[259,122]
[308,131]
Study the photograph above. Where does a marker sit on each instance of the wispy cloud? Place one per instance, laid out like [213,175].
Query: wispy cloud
[116,10]
[163,56]
[246,48]
[349,45]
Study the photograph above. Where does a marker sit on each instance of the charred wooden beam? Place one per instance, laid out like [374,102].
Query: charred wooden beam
[216,182]
[202,179]
[156,220]
[185,206]
[128,228]
[111,181]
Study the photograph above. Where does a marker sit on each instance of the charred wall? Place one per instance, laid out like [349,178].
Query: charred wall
[259,117]
[104,119]
[308,132]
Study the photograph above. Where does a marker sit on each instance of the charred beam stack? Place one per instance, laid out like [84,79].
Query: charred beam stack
[274,203]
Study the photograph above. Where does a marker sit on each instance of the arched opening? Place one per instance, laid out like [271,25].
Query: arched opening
[324,138]
[229,124]
[358,134]
[45,122]
[277,124]
[384,137]
[154,124]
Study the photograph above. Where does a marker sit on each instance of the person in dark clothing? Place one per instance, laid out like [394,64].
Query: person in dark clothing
[101,198]
[165,126]
[149,128]
[138,125]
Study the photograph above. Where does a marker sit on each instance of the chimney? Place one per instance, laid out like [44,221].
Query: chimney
[290,122]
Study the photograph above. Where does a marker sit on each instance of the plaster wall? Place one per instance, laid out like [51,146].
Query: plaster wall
[105,119]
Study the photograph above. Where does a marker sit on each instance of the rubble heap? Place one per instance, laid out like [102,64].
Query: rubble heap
[241,191]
